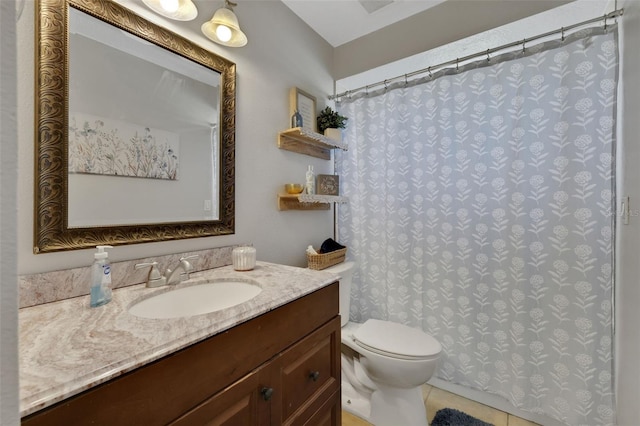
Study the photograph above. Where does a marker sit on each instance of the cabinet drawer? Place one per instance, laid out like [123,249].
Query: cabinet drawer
[329,414]
[241,404]
[310,372]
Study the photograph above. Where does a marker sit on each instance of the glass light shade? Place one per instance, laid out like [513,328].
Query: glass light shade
[224,18]
[170,6]
[186,10]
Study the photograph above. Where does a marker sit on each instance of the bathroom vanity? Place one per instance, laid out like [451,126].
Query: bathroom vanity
[272,360]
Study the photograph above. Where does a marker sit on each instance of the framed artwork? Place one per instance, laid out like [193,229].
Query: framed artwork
[305,104]
[103,146]
[328,185]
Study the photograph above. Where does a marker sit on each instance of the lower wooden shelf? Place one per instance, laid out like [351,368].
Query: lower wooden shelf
[308,202]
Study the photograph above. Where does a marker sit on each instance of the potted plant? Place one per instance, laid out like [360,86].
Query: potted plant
[330,123]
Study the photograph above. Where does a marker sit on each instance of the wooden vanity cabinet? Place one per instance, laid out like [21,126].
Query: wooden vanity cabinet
[280,368]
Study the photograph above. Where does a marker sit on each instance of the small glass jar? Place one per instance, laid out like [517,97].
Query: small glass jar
[243,258]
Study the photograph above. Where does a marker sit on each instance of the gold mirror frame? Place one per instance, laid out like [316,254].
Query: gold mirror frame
[51,232]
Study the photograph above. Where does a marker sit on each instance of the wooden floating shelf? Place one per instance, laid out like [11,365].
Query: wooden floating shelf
[306,142]
[297,201]
[292,202]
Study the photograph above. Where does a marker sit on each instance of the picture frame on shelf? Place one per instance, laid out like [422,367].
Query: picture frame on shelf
[305,105]
[328,185]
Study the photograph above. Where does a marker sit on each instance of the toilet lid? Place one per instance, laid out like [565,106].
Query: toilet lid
[396,340]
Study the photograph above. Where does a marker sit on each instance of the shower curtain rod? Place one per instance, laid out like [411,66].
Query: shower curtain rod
[616,13]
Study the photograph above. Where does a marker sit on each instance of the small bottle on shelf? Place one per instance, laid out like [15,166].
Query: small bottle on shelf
[296,119]
[310,182]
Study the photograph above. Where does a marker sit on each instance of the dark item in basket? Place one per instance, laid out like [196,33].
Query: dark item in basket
[330,245]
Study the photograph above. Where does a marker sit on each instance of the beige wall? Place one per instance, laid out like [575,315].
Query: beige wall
[8,281]
[445,23]
[277,57]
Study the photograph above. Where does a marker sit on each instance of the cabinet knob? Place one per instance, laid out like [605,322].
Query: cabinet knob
[314,375]
[266,393]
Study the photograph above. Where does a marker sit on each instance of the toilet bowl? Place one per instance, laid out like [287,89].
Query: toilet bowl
[384,365]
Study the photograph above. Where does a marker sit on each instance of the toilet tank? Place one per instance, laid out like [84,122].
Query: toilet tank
[345,270]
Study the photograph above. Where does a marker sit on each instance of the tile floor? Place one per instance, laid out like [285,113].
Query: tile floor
[436,398]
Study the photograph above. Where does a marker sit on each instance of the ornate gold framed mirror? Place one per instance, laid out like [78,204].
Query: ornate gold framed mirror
[135,131]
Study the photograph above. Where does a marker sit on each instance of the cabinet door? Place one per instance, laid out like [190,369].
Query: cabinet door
[310,374]
[246,402]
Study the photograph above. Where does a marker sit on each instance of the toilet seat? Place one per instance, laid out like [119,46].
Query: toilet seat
[396,340]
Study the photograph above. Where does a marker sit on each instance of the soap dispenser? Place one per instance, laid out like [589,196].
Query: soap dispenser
[100,278]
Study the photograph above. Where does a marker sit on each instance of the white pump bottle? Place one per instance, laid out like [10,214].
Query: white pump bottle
[100,278]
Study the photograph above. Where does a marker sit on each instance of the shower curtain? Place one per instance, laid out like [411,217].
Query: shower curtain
[481,209]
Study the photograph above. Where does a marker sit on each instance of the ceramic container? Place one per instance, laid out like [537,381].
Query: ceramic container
[243,258]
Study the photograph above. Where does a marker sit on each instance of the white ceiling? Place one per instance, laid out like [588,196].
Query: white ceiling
[341,21]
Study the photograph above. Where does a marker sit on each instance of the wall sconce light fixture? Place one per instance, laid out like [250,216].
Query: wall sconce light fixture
[223,28]
[179,10]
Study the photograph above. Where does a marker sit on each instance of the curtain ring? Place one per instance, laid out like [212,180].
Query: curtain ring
[349,94]
[488,57]
[430,75]
[605,22]
[457,64]
[366,90]
[562,31]
[523,45]
[406,83]
[385,85]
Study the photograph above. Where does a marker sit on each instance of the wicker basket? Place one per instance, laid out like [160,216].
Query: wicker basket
[322,261]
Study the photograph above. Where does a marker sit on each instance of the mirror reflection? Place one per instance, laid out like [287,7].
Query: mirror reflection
[143,130]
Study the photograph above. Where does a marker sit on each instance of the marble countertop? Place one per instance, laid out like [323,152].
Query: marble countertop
[67,347]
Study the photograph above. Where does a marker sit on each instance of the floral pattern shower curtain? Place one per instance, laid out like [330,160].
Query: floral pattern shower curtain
[482,211]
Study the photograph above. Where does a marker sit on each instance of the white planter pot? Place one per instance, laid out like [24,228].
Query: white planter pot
[335,134]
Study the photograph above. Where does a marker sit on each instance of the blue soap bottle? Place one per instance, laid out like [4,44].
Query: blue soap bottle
[100,278]
[296,119]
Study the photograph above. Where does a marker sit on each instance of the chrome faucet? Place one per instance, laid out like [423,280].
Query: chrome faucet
[181,272]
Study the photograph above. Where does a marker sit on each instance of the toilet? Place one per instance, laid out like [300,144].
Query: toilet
[384,364]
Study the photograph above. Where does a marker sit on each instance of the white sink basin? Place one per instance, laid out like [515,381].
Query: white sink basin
[196,300]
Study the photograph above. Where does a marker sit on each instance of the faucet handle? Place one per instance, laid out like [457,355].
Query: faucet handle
[155,278]
[187,265]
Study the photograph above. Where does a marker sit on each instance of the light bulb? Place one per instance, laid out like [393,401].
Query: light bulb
[170,5]
[223,33]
